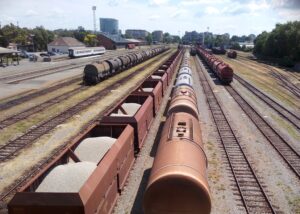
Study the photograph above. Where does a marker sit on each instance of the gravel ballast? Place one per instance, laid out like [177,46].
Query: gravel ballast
[129,108]
[94,149]
[67,178]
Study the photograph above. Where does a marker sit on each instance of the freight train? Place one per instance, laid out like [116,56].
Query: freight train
[178,180]
[90,173]
[222,70]
[98,71]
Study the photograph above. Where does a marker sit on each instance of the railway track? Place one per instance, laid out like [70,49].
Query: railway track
[25,114]
[20,100]
[285,113]
[8,150]
[12,79]
[283,80]
[286,83]
[286,151]
[251,191]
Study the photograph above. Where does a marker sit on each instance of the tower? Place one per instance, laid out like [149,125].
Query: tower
[94,17]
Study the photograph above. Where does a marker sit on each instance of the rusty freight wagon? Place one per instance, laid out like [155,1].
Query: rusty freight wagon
[136,110]
[84,178]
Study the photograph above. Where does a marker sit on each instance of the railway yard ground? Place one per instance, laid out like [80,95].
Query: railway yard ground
[252,168]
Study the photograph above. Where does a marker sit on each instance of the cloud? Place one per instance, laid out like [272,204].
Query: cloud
[154,17]
[115,3]
[158,2]
[287,9]
[211,10]
[287,4]
[201,2]
[178,12]
[30,13]
[7,19]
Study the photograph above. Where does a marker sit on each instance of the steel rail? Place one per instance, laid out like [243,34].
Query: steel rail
[253,196]
[285,113]
[286,151]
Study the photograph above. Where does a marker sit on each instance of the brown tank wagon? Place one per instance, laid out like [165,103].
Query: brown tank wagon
[136,110]
[184,100]
[232,54]
[178,180]
[153,88]
[99,191]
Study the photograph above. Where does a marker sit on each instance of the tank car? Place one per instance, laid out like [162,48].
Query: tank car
[132,59]
[232,54]
[125,61]
[94,73]
[225,73]
[178,182]
[193,51]
[185,70]
[184,79]
[115,65]
[139,57]
[218,50]
[184,100]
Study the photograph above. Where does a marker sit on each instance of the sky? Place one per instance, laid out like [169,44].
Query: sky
[236,17]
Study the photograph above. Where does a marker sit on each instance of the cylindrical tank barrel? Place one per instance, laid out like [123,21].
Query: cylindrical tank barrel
[185,70]
[96,69]
[184,100]
[184,79]
[178,182]
[125,60]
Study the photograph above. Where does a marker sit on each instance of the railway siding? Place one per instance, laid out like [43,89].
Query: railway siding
[252,193]
[288,115]
[264,81]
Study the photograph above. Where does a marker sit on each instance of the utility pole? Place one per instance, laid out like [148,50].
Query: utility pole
[94,17]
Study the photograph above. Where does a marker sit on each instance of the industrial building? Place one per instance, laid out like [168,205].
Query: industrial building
[157,36]
[63,44]
[108,25]
[111,42]
[137,34]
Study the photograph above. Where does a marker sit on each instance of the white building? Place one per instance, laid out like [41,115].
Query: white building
[62,44]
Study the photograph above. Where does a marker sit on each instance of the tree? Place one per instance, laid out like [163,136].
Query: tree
[259,43]
[176,39]
[80,34]
[3,40]
[282,43]
[149,39]
[91,40]
[167,38]
[236,46]
[41,38]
